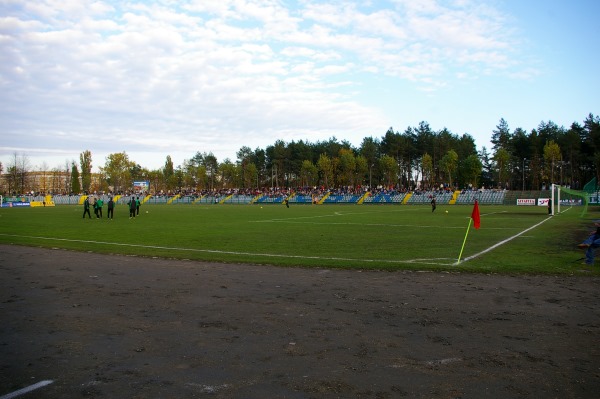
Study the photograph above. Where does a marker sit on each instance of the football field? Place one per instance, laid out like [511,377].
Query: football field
[389,237]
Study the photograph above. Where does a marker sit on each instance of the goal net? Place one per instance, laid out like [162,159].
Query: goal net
[566,197]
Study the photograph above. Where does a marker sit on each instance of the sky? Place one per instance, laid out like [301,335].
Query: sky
[174,78]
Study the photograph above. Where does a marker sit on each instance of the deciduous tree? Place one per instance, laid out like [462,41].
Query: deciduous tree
[117,170]
[389,168]
[325,166]
[449,163]
[552,156]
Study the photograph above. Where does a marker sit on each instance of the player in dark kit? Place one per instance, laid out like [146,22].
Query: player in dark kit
[132,206]
[111,208]
[86,208]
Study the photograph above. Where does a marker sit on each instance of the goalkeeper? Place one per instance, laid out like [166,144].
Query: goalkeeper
[591,243]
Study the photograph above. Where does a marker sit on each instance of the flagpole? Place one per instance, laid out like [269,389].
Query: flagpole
[464,241]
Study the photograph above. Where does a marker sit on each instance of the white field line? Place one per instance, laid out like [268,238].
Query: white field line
[431,261]
[28,389]
[491,213]
[503,241]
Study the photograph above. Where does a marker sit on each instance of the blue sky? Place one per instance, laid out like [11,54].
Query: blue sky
[158,78]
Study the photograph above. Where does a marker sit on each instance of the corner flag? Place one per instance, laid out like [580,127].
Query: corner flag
[475,216]
[476,223]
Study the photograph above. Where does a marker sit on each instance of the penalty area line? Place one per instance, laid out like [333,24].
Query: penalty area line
[215,251]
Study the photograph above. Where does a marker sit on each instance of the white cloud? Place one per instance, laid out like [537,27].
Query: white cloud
[207,75]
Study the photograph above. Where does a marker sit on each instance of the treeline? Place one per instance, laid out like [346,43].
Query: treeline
[402,160]
[416,157]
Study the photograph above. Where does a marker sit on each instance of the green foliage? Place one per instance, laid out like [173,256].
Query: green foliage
[325,168]
[250,172]
[117,170]
[361,171]
[501,136]
[75,186]
[552,156]
[472,168]
[309,173]
[346,168]
[449,163]
[389,168]
[502,160]
[393,237]
[229,174]
[85,161]
[209,161]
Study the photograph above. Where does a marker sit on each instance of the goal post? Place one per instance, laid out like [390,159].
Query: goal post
[554,199]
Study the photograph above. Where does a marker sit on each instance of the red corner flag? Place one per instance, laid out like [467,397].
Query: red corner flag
[475,216]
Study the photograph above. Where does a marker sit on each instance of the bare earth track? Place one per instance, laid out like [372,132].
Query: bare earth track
[103,326]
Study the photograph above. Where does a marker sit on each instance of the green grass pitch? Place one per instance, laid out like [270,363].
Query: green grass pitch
[386,237]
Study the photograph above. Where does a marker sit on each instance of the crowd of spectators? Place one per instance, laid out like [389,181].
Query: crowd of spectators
[282,192]
[313,191]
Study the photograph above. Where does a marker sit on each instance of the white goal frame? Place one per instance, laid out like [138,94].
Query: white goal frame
[557,202]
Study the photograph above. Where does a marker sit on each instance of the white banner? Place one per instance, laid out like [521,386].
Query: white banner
[525,201]
[543,201]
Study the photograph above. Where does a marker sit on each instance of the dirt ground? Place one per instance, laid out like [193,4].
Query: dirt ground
[101,326]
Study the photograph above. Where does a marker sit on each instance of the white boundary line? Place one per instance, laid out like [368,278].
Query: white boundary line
[214,251]
[28,389]
[502,242]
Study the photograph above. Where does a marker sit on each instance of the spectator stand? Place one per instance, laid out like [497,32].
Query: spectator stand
[319,196]
[485,197]
[341,199]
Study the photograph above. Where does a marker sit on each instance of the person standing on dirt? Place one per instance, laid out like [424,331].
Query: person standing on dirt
[86,207]
[111,208]
[132,206]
